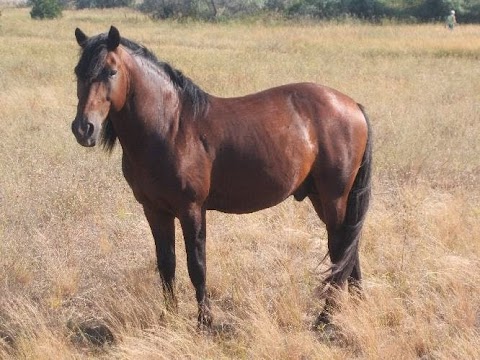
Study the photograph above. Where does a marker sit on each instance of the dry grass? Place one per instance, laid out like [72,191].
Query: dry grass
[76,252]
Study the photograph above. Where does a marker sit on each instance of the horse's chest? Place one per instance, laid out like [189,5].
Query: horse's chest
[147,185]
[163,185]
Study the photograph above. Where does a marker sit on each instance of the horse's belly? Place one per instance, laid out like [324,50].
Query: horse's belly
[245,192]
[251,202]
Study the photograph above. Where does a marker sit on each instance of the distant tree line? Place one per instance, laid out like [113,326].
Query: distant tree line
[103,4]
[468,11]
[371,10]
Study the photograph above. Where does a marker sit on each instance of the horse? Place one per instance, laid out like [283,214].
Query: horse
[186,151]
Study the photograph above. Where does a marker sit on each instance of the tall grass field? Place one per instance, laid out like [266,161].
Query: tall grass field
[78,276]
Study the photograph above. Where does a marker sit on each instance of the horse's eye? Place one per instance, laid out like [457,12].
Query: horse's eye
[107,73]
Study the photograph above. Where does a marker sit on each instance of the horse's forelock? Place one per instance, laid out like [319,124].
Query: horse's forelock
[92,58]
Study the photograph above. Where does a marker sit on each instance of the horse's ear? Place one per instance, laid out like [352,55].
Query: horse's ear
[81,37]
[113,38]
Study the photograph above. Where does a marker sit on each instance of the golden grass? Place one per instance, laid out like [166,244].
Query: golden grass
[76,251]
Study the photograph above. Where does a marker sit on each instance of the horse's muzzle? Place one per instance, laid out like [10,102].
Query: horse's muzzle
[84,132]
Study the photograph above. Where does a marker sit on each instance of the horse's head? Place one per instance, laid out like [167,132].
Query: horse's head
[102,84]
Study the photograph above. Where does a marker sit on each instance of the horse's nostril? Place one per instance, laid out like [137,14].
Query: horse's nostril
[90,129]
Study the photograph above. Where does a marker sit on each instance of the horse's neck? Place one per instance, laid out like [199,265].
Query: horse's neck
[151,114]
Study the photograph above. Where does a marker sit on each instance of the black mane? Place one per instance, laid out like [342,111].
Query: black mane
[91,65]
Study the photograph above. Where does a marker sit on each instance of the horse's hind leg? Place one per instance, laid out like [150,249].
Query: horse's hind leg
[342,251]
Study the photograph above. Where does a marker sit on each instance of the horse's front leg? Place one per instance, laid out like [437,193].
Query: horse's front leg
[163,230]
[193,222]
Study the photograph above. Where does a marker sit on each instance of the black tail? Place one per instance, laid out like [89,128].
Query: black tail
[357,206]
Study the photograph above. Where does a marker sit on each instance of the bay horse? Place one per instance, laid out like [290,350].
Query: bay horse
[186,152]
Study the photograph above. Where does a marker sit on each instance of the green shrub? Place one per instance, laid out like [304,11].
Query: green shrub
[45,9]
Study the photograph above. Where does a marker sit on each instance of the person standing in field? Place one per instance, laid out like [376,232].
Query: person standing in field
[451,20]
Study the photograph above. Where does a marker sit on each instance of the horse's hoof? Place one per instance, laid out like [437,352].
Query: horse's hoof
[327,332]
[322,320]
[224,330]
[205,320]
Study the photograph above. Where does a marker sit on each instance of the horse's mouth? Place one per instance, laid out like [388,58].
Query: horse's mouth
[84,140]
[90,142]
